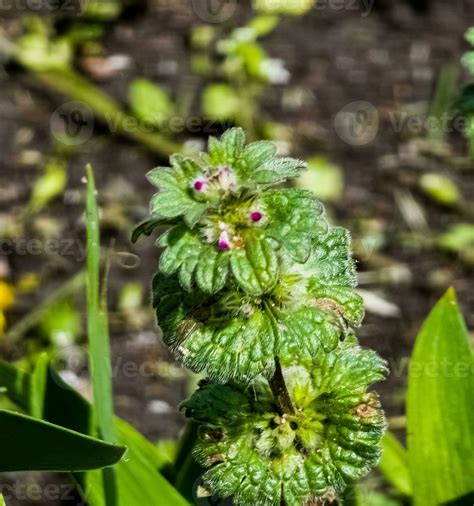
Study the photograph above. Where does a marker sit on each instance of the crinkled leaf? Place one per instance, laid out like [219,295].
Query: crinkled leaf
[182,252]
[294,218]
[278,169]
[306,329]
[256,266]
[257,153]
[333,438]
[212,269]
[227,150]
[341,301]
[330,262]
[230,349]
[174,197]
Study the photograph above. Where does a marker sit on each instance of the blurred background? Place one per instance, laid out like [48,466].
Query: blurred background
[375,94]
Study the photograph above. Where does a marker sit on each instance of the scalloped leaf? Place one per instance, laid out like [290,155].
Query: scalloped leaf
[330,262]
[306,330]
[174,198]
[256,267]
[258,457]
[341,301]
[182,252]
[230,349]
[257,153]
[212,269]
[294,219]
[278,169]
[227,150]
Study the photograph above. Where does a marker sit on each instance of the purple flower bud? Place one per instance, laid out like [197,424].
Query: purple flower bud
[256,216]
[224,242]
[199,184]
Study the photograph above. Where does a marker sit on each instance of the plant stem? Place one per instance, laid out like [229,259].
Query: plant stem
[280,392]
[105,109]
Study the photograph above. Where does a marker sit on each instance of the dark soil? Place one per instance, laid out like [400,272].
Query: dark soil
[390,58]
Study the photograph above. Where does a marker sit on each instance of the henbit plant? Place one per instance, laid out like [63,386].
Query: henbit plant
[255,290]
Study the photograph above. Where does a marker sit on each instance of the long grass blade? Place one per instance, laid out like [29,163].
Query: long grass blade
[97,330]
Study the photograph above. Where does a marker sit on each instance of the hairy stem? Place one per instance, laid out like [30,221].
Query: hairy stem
[280,392]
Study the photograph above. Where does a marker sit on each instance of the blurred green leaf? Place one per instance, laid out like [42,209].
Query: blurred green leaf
[65,407]
[149,102]
[131,297]
[394,464]
[139,482]
[49,185]
[16,382]
[202,36]
[47,447]
[289,7]
[469,35]
[440,410]
[220,101]
[441,189]
[61,323]
[459,237]
[263,25]
[323,178]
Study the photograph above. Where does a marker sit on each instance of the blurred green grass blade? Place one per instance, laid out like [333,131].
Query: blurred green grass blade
[139,483]
[2,500]
[97,330]
[66,407]
[17,384]
[186,471]
[47,447]
[38,386]
[394,464]
[440,410]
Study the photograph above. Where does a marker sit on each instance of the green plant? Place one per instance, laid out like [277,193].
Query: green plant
[438,465]
[256,291]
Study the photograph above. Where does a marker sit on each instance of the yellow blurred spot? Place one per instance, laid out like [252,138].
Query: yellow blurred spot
[3,322]
[28,282]
[7,295]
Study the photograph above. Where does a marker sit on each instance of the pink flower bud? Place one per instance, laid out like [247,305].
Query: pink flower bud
[256,216]
[224,242]
[199,184]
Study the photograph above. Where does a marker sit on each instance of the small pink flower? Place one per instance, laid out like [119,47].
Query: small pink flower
[256,216]
[199,184]
[224,242]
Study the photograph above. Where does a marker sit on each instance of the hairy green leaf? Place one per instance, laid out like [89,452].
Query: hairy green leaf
[259,456]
